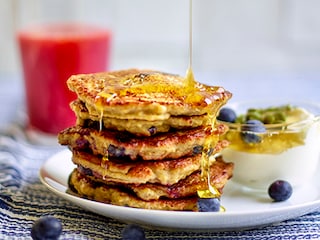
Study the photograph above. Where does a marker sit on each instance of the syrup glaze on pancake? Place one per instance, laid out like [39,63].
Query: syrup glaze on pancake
[144,94]
[174,144]
[220,172]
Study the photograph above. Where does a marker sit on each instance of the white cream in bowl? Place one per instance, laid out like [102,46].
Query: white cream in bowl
[287,151]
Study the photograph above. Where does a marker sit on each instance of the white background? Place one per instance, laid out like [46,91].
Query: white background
[229,35]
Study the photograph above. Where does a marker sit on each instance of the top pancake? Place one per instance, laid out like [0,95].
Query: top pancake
[144,94]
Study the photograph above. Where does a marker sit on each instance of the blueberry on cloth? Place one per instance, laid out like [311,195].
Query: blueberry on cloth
[208,204]
[133,232]
[249,129]
[280,190]
[227,115]
[46,228]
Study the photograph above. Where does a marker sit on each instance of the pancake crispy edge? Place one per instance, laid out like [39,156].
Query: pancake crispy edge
[220,172]
[95,91]
[138,127]
[84,187]
[173,144]
[129,172]
[165,172]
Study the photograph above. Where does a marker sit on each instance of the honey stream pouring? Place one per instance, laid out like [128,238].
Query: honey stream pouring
[207,151]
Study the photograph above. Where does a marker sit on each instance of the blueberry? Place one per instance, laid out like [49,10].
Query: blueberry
[249,129]
[280,190]
[208,204]
[254,126]
[114,151]
[227,115]
[152,130]
[46,228]
[133,232]
[82,143]
[197,149]
[85,171]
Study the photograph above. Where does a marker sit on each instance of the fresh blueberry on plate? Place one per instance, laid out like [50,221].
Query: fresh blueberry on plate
[249,130]
[280,190]
[227,115]
[208,204]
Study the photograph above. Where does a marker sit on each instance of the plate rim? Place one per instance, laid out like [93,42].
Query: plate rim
[305,207]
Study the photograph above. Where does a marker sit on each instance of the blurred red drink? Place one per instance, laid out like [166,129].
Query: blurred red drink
[50,55]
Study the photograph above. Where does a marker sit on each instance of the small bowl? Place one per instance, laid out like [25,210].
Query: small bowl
[284,151]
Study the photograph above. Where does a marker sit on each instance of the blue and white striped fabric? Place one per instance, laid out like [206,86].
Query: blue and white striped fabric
[23,199]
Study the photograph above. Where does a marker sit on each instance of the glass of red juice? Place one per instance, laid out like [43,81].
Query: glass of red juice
[50,54]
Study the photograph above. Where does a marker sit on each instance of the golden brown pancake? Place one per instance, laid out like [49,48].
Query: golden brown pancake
[138,127]
[166,172]
[144,94]
[174,144]
[85,187]
[142,138]
[220,172]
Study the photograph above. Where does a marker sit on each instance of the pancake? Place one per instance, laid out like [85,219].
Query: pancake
[144,95]
[220,172]
[174,144]
[145,138]
[165,172]
[138,127]
[84,187]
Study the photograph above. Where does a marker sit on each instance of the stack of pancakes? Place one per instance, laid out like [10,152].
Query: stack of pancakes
[139,139]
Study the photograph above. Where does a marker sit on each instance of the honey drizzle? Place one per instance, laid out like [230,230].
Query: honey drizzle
[103,96]
[101,120]
[206,157]
[189,82]
[192,93]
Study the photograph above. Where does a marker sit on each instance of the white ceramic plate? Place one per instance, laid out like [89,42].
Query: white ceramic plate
[244,209]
